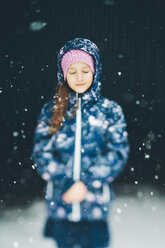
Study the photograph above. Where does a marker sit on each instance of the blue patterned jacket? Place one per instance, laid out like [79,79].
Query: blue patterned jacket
[104,146]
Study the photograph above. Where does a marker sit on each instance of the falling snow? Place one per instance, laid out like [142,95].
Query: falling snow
[15,133]
[37,25]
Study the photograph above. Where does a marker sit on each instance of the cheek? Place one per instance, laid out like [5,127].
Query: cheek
[69,80]
[90,79]
[71,83]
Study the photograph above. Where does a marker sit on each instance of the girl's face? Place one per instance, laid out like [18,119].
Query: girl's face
[79,77]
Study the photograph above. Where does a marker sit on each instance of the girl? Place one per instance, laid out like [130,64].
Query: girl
[80,146]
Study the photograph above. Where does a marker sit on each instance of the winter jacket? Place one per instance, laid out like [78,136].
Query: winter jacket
[93,147]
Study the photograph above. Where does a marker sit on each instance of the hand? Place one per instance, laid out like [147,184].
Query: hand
[76,193]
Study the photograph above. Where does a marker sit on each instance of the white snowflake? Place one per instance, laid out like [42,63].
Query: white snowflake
[15,133]
[118,210]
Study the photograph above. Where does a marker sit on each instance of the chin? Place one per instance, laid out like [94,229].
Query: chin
[80,91]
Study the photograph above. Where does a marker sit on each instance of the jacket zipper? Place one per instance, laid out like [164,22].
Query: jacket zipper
[76,211]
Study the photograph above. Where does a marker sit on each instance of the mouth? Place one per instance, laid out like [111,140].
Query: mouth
[79,84]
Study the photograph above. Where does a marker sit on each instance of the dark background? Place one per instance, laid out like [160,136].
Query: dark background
[130,35]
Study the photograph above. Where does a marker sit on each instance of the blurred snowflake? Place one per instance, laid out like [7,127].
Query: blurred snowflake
[37,25]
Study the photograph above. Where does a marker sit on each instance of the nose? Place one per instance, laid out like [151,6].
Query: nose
[79,76]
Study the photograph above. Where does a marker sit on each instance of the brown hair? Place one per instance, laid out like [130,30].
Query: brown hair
[60,107]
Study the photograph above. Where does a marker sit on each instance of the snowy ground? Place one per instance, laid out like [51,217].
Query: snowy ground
[136,221]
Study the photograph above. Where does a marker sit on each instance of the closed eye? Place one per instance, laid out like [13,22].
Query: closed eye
[74,72]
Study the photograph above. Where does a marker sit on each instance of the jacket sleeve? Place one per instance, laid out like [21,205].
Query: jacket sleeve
[110,162]
[48,165]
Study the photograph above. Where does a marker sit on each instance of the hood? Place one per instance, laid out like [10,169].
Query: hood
[93,93]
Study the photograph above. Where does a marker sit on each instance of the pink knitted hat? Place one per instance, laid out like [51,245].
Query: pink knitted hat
[73,56]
